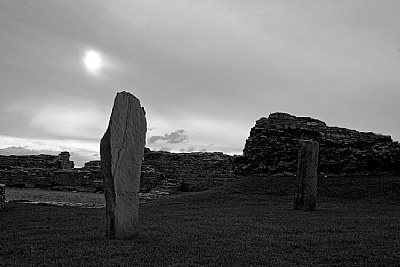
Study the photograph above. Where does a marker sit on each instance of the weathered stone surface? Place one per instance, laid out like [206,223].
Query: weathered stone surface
[198,170]
[121,151]
[36,170]
[271,147]
[53,162]
[2,196]
[307,163]
[160,171]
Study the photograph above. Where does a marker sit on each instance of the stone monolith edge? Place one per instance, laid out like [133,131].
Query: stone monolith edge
[121,150]
[2,196]
[307,162]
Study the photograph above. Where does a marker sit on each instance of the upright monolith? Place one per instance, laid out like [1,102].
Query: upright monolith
[2,196]
[307,162]
[121,151]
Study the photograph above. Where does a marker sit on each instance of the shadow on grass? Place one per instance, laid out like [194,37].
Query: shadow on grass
[248,222]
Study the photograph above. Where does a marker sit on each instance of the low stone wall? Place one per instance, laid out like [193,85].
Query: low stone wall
[71,180]
[60,161]
[272,147]
[195,171]
[186,171]
[175,171]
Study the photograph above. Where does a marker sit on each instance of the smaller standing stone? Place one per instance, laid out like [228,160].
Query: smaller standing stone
[307,162]
[2,196]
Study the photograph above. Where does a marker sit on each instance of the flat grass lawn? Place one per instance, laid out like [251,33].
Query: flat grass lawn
[250,222]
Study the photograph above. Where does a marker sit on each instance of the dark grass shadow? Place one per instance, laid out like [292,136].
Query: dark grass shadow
[250,221]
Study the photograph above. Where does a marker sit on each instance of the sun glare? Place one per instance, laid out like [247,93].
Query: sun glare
[92,61]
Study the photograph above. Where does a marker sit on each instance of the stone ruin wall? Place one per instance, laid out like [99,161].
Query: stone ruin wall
[196,171]
[60,162]
[272,147]
[45,171]
[185,171]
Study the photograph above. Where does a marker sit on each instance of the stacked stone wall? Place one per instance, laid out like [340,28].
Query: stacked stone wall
[197,171]
[271,147]
[60,161]
[72,180]
[47,171]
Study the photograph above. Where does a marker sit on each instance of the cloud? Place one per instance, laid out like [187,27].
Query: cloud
[179,136]
[191,149]
[24,151]
[69,121]
[252,57]
[80,156]
[81,152]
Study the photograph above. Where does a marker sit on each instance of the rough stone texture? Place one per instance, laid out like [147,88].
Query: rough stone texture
[271,147]
[307,163]
[54,162]
[42,171]
[2,196]
[121,149]
[160,171]
[198,170]
[64,162]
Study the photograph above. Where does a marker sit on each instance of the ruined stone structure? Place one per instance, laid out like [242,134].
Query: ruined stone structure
[272,147]
[64,162]
[35,170]
[197,171]
[59,162]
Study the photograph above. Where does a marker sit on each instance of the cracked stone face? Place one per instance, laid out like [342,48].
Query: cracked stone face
[121,150]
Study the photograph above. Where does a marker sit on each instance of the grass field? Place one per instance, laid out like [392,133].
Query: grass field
[250,222]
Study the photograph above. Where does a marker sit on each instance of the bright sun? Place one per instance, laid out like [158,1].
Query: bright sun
[92,60]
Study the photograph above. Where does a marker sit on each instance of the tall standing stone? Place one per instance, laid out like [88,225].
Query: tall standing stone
[307,162]
[121,150]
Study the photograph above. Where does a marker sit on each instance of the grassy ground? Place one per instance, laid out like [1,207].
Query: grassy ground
[42,195]
[250,222]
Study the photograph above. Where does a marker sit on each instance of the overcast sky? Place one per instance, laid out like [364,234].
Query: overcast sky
[205,71]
